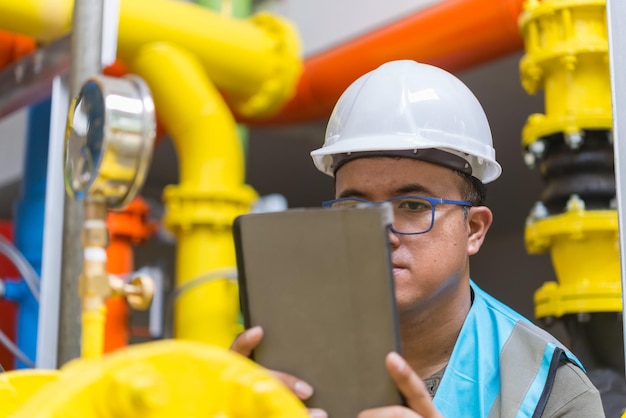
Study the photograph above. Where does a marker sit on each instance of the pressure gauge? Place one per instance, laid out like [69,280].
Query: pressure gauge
[109,139]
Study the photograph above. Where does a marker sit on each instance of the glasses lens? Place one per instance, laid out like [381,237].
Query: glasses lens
[345,203]
[412,215]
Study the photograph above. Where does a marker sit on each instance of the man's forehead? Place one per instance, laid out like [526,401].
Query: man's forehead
[394,175]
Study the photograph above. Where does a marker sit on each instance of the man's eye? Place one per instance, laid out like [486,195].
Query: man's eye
[413,205]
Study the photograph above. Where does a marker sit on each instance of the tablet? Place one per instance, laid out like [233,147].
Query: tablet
[320,283]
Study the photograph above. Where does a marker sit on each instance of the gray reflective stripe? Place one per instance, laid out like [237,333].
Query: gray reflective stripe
[520,360]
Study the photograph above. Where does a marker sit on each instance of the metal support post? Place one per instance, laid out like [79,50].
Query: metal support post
[86,61]
[616,13]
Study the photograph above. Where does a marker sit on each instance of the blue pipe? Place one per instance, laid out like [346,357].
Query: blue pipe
[28,222]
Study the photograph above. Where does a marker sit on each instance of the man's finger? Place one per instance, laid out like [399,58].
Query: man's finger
[247,341]
[411,386]
[301,388]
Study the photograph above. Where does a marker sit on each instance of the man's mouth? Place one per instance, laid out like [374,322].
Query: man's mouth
[397,269]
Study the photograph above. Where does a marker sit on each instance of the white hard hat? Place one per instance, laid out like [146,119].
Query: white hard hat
[410,109]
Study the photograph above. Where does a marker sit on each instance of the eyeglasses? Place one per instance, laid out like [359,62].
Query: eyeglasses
[412,214]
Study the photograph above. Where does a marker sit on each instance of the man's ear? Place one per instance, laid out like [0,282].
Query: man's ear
[479,220]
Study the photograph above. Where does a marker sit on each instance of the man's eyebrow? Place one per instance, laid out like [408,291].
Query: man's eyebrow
[351,193]
[414,189]
[403,190]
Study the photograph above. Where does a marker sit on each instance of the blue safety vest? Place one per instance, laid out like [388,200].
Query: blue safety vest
[501,366]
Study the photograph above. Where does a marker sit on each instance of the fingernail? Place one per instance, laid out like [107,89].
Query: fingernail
[396,361]
[303,390]
[317,413]
[253,333]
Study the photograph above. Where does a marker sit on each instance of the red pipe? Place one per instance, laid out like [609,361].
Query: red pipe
[454,34]
[8,309]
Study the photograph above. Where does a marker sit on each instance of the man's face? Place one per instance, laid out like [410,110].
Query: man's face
[429,268]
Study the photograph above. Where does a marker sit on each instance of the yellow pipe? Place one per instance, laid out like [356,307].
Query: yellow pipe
[92,336]
[255,60]
[201,209]
[567,55]
[40,19]
[17,387]
[160,380]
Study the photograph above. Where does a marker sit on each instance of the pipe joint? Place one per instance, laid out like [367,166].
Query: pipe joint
[574,164]
[186,208]
[94,278]
[132,222]
[567,55]
[14,290]
[93,281]
[95,234]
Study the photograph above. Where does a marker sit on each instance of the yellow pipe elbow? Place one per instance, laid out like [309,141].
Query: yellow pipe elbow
[256,61]
[164,379]
[211,193]
[40,19]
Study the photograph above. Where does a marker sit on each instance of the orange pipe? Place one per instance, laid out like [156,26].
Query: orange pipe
[126,228]
[13,47]
[454,34]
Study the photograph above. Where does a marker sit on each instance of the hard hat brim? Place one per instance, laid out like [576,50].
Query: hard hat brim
[483,163]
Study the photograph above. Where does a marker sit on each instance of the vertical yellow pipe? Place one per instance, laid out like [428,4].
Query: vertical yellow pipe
[201,209]
[92,336]
[567,56]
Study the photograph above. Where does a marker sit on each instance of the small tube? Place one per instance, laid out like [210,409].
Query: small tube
[19,354]
[26,270]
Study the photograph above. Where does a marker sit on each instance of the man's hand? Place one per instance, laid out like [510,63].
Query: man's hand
[248,340]
[418,400]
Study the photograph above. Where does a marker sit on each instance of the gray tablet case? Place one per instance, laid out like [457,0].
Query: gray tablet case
[320,283]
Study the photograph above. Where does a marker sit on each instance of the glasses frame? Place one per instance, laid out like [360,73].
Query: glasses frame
[434,201]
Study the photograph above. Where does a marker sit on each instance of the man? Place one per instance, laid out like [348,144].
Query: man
[415,135]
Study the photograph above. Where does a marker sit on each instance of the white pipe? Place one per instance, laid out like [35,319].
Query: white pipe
[19,354]
[47,336]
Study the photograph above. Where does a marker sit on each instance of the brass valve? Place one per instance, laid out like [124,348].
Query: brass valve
[138,292]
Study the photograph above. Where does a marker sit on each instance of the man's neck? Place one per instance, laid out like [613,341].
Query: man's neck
[429,335]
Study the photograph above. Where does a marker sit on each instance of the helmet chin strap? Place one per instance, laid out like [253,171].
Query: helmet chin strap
[431,155]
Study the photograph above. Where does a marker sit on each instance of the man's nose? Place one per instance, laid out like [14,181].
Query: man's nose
[394,238]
